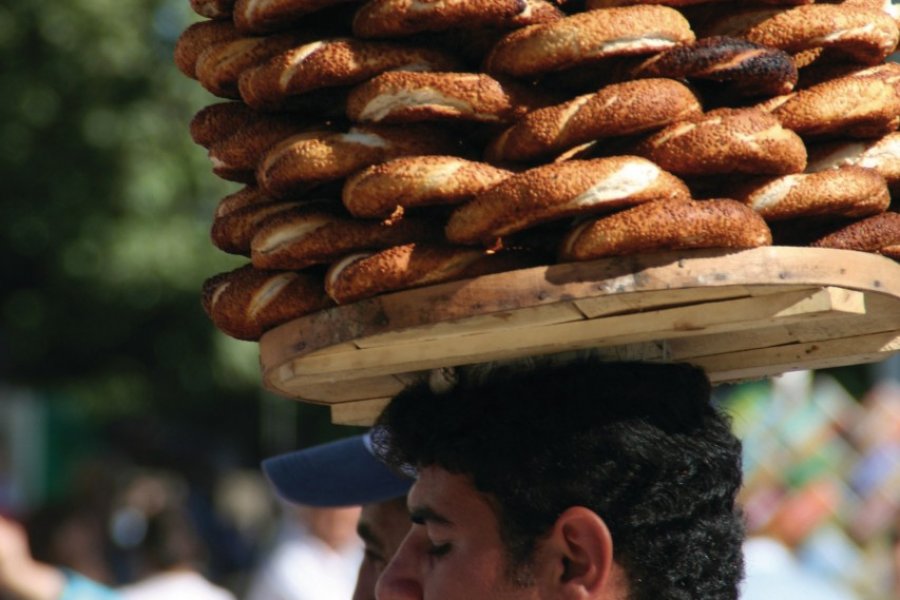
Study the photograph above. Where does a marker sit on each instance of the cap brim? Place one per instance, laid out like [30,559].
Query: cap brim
[340,473]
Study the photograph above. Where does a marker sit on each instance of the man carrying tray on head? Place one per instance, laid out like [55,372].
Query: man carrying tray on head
[586,481]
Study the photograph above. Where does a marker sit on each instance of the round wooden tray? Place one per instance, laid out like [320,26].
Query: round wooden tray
[739,315]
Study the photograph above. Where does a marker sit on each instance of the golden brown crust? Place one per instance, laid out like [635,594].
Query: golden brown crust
[213,9]
[233,232]
[668,225]
[236,156]
[846,192]
[560,190]
[881,155]
[196,39]
[414,181]
[246,196]
[400,18]
[332,63]
[264,16]
[868,36]
[220,66]
[247,302]
[298,238]
[405,97]
[880,233]
[743,67]
[595,4]
[618,109]
[216,122]
[415,265]
[313,158]
[851,106]
[586,37]
[726,141]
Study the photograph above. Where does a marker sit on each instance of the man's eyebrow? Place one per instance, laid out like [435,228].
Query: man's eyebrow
[425,514]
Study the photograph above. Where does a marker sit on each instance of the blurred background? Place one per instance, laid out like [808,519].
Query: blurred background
[113,383]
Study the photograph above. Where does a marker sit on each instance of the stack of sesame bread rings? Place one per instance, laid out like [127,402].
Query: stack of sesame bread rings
[382,145]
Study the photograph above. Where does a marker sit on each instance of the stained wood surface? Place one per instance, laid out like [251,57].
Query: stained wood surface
[740,315]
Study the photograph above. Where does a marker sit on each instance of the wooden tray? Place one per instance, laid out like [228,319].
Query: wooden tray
[740,315]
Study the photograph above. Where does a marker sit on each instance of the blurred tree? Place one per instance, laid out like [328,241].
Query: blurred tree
[106,213]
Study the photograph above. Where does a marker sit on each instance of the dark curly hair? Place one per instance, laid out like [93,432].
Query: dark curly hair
[639,444]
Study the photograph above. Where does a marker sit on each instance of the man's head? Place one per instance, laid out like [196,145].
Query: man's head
[346,473]
[612,480]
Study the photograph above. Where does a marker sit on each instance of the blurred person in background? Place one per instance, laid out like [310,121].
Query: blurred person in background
[339,474]
[24,578]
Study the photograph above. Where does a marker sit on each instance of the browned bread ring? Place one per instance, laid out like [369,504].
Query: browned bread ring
[857,105]
[667,225]
[298,238]
[264,16]
[246,302]
[560,190]
[413,181]
[881,155]
[726,141]
[196,39]
[332,63]
[213,9]
[618,109]
[743,67]
[866,35]
[848,191]
[309,159]
[405,97]
[879,233]
[361,276]
[400,18]
[587,37]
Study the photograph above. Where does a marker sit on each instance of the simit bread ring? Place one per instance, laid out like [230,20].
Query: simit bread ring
[215,122]
[560,190]
[403,97]
[726,141]
[851,106]
[196,39]
[235,157]
[264,16]
[845,192]
[748,69]
[867,36]
[881,155]
[400,18]
[234,231]
[312,158]
[414,265]
[618,109]
[378,191]
[331,63]
[246,302]
[667,225]
[219,66]
[298,238]
[587,37]
[880,233]
[213,9]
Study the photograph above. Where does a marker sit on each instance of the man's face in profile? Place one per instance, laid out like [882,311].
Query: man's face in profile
[382,527]
[453,550]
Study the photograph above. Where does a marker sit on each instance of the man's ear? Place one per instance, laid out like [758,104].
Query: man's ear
[580,555]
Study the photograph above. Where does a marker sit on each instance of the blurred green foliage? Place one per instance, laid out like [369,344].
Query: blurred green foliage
[105,215]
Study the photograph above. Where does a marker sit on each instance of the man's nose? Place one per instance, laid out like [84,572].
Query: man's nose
[399,580]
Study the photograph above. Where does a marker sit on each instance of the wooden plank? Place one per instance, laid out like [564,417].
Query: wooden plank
[571,282]
[360,413]
[536,316]
[729,315]
[640,301]
[759,363]
[882,314]
[336,388]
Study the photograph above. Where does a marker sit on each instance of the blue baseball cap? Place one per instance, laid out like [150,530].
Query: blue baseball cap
[341,473]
